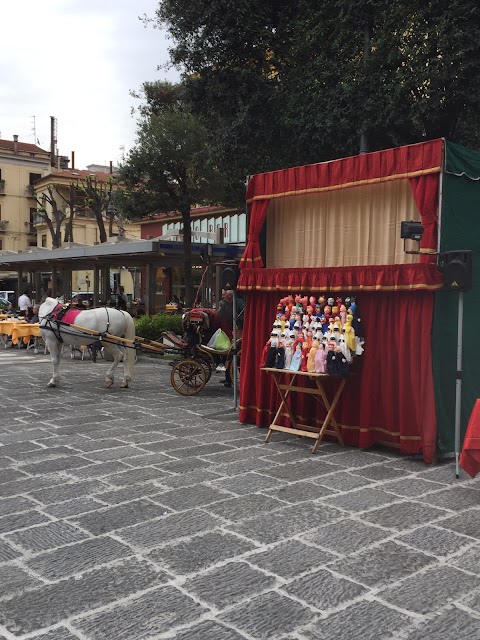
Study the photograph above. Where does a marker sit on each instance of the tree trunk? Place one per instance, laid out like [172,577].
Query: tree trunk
[187,257]
[101,226]
[55,243]
[69,224]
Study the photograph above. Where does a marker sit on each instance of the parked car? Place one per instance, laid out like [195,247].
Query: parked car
[8,296]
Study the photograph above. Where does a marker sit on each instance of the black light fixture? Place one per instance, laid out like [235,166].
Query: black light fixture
[411,230]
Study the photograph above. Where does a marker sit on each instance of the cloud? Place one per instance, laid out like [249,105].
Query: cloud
[77,61]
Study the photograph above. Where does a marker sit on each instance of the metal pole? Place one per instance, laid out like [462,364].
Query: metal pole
[458,390]
[235,372]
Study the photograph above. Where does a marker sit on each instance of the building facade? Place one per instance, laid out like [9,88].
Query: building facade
[210,225]
[65,189]
[21,164]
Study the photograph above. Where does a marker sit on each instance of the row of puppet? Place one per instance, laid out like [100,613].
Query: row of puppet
[314,342]
[301,312]
[320,357]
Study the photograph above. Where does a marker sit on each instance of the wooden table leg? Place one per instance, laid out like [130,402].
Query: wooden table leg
[282,403]
[330,409]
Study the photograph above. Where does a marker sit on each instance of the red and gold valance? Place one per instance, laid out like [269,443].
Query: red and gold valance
[392,277]
[391,164]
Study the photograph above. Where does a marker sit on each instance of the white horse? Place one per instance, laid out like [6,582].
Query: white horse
[102,320]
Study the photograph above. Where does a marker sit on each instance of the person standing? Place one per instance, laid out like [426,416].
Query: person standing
[122,299]
[224,320]
[24,303]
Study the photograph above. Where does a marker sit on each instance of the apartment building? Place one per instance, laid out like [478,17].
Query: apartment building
[21,164]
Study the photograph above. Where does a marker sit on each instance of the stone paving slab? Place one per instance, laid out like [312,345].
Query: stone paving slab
[169,519]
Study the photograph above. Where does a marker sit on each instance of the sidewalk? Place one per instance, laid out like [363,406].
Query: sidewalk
[140,513]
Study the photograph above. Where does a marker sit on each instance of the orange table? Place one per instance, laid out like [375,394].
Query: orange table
[26,331]
[318,391]
[6,328]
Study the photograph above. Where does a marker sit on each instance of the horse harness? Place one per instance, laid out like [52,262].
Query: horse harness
[63,315]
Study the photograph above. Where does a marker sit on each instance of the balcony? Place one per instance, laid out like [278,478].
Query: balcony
[30,190]
[83,213]
[3,225]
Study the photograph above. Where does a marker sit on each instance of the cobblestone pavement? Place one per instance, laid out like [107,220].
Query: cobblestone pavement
[131,514]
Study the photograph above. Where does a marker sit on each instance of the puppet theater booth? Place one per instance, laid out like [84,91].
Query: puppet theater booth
[333,228]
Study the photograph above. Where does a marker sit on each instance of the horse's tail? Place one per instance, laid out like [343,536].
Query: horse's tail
[130,353]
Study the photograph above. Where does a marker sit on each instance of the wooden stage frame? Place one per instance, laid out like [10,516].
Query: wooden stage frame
[318,391]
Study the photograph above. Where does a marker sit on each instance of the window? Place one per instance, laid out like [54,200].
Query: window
[1,245]
[33,214]
[0,211]
[44,240]
[33,177]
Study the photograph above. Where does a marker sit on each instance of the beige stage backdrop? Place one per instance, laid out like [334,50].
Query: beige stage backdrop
[353,226]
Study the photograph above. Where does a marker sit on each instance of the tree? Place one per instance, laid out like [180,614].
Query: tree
[71,202]
[297,82]
[84,193]
[55,218]
[96,195]
[169,168]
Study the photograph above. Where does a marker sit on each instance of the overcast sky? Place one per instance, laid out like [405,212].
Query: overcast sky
[77,60]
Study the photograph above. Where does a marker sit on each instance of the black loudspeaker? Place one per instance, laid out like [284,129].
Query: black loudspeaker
[230,275]
[457,267]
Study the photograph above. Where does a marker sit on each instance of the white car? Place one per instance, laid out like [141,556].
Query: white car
[7,296]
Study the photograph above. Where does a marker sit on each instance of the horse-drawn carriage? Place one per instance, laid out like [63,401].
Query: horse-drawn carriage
[197,361]
[115,330]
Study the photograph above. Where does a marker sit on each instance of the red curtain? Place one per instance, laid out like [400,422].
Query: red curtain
[401,162]
[390,277]
[251,257]
[416,161]
[389,400]
[425,192]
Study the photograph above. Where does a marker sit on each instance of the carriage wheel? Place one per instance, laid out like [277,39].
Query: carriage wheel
[188,377]
[208,365]
[230,369]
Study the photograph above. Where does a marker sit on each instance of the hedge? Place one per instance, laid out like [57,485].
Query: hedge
[152,327]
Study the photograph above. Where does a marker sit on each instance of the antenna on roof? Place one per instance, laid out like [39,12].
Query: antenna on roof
[53,141]
[34,131]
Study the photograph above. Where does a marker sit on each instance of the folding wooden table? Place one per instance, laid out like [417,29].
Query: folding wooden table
[288,387]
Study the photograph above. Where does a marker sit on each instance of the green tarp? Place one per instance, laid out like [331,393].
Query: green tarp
[460,230]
